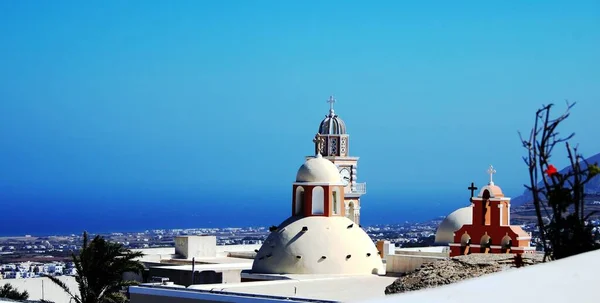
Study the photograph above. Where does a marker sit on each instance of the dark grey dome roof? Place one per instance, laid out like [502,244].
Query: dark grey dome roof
[332,124]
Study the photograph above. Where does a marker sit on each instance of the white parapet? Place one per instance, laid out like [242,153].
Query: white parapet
[196,246]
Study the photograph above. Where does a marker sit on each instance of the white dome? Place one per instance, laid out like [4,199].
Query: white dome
[452,223]
[328,246]
[319,170]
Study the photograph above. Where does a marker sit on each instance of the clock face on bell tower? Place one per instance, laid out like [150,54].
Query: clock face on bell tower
[345,174]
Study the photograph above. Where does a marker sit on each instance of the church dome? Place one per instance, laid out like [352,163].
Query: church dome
[494,190]
[319,170]
[332,125]
[452,223]
[318,245]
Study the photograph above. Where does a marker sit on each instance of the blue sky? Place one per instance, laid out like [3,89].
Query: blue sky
[124,100]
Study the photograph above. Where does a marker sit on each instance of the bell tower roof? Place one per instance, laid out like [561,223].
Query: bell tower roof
[494,190]
[332,124]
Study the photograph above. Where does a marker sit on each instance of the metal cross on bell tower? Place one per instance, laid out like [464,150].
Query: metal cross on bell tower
[491,171]
[331,101]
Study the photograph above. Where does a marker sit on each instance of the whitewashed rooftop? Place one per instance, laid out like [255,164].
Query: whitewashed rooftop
[320,287]
[568,280]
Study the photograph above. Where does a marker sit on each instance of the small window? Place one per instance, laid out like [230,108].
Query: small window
[335,203]
[299,203]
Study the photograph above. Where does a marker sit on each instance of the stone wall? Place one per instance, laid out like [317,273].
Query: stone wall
[398,264]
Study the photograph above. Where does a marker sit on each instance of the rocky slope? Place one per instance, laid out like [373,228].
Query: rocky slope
[456,269]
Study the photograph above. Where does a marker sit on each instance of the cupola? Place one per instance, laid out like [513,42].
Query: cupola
[318,190]
[332,124]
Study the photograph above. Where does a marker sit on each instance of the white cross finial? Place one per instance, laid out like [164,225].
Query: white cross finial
[491,171]
[331,101]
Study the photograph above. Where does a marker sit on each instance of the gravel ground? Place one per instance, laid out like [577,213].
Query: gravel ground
[456,269]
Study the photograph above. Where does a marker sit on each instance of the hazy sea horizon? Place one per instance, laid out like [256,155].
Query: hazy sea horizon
[148,218]
[42,214]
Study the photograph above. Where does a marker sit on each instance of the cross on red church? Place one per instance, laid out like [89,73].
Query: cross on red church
[472,188]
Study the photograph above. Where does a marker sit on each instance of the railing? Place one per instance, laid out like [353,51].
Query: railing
[359,188]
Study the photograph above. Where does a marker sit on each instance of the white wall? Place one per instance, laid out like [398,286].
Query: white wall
[51,291]
[196,246]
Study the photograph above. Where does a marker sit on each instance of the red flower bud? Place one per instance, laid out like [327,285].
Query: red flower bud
[551,170]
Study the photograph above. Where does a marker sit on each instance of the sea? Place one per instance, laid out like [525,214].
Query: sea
[44,216]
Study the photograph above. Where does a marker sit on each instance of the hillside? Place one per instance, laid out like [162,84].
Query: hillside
[522,210]
[591,188]
[525,213]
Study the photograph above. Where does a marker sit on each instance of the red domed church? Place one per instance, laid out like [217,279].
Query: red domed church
[489,230]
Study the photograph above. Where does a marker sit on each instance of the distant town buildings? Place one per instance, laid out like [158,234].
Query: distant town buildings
[35,269]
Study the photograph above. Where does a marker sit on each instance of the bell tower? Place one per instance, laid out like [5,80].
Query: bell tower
[490,231]
[333,143]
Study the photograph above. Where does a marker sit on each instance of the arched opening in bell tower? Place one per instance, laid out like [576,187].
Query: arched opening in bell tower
[350,213]
[299,201]
[336,207]
[506,244]
[465,244]
[485,245]
[485,211]
[318,201]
